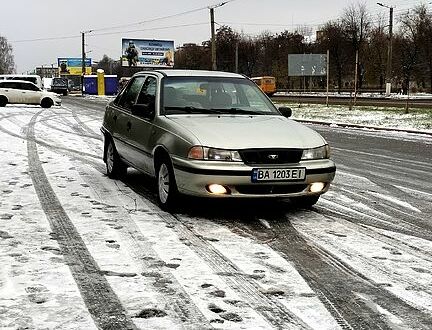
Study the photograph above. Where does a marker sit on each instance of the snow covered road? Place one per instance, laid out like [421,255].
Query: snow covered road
[81,251]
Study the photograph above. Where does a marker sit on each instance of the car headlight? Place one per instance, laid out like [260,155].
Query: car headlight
[204,153]
[316,153]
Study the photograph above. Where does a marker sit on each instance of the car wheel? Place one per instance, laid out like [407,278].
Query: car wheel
[3,101]
[305,201]
[46,103]
[114,166]
[166,185]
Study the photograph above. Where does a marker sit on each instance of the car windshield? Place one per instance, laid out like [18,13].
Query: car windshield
[198,95]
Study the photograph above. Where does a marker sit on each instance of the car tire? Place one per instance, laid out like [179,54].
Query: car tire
[115,168]
[305,202]
[167,191]
[3,101]
[46,103]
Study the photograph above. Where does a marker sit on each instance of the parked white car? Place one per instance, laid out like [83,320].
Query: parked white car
[24,92]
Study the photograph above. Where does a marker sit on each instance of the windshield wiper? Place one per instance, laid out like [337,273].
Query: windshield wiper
[237,111]
[190,109]
[187,109]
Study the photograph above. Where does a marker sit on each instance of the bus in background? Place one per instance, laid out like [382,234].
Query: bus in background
[34,78]
[266,83]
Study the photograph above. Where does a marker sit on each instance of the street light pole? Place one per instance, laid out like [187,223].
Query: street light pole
[213,35]
[389,50]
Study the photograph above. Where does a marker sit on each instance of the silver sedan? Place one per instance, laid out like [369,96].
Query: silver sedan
[213,134]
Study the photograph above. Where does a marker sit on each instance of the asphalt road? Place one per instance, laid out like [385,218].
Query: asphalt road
[360,259]
[366,101]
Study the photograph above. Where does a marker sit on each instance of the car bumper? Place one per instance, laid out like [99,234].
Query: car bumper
[193,178]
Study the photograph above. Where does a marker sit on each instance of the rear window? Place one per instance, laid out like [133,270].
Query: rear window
[59,82]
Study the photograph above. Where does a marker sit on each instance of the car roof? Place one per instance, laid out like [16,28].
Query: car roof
[16,80]
[195,73]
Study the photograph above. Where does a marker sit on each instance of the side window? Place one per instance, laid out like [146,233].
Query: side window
[148,92]
[27,87]
[130,95]
[11,85]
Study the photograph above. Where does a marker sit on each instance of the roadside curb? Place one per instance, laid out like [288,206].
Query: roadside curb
[378,128]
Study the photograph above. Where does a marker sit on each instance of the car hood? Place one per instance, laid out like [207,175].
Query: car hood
[243,132]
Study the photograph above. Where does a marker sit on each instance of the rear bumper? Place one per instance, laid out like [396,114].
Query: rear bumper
[194,176]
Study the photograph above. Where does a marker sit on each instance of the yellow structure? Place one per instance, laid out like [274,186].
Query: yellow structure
[266,83]
[101,81]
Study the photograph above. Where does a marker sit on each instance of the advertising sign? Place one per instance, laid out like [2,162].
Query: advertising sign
[73,65]
[307,64]
[147,53]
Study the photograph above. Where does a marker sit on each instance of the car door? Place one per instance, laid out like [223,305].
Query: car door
[12,91]
[31,94]
[122,112]
[141,125]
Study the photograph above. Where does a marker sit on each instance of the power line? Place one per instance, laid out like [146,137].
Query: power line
[46,39]
[147,29]
[157,18]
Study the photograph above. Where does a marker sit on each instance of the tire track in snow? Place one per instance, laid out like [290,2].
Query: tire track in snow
[102,303]
[337,282]
[269,308]
[177,301]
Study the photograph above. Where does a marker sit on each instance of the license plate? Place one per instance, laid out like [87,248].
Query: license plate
[278,174]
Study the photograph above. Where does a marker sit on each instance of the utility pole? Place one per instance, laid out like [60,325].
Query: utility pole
[389,50]
[213,40]
[355,75]
[328,77]
[213,35]
[83,58]
[236,57]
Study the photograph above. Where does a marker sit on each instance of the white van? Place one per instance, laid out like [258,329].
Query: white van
[34,78]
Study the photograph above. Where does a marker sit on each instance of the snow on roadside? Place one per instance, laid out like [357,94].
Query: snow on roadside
[368,116]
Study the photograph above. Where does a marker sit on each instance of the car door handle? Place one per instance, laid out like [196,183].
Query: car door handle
[129,125]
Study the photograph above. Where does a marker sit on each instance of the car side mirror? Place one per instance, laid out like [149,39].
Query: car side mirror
[146,111]
[285,111]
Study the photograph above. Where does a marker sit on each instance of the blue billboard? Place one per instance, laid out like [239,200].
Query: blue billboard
[73,65]
[147,53]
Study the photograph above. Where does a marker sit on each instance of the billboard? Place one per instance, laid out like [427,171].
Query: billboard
[307,65]
[147,53]
[73,65]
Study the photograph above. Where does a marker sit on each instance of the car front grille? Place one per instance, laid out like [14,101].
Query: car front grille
[271,156]
[267,189]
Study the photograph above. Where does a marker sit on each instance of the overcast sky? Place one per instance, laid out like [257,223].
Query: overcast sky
[33,19]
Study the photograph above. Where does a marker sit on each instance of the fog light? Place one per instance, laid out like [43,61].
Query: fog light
[316,187]
[217,189]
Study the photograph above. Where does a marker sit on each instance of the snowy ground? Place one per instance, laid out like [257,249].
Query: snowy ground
[416,119]
[81,251]
[426,96]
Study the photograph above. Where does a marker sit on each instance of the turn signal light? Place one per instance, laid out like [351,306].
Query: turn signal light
[196,152]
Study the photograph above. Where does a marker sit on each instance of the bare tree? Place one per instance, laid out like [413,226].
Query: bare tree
[106,64]
[376,54]
[424,39]
[335,40]
[357,22]
[408,45]
[7,64]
